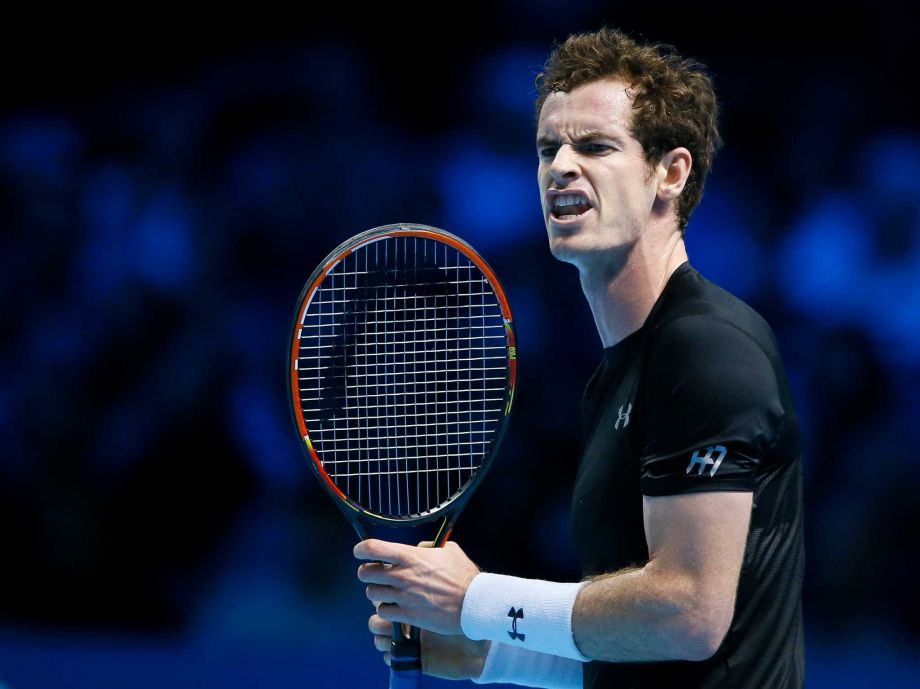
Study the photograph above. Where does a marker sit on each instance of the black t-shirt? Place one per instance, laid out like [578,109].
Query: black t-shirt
[697,400]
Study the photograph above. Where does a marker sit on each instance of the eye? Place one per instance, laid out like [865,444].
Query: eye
[596,148]
[547,152]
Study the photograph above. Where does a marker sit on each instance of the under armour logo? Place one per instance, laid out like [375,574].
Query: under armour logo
[515,615]
[624,416]
[706,460]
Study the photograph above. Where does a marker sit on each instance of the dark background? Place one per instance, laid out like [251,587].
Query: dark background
[168,183]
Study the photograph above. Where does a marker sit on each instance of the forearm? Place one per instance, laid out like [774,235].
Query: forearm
[645,614]
[652,613]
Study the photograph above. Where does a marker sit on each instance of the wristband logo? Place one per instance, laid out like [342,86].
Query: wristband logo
[515,615]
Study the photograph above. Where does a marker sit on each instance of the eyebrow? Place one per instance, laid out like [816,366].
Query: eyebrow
[546,140]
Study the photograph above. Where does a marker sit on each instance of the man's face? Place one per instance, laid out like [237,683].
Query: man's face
[588,156]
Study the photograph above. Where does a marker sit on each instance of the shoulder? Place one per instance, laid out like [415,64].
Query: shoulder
[703,322]
[708,343]
[700,339]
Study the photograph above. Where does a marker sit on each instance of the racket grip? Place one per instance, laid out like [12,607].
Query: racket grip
[405,659]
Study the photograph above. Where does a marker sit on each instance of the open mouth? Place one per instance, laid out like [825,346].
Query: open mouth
[566,207]
[570,212]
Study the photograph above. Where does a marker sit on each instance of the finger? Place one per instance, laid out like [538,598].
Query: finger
[377,573]
[386,658]
[383,642]
[384,551]
[383,594]
[377,625]
[426,544]
[391,612]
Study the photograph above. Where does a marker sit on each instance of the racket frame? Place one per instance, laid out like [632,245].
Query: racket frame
[358,515]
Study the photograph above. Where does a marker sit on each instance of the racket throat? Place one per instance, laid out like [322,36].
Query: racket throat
[437,531]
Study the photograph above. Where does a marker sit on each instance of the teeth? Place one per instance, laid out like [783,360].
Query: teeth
[568,200]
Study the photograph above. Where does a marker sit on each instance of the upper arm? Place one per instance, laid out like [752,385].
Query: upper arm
[697,541]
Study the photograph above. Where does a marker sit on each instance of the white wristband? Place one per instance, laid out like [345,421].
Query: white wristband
[516,665]
[528,613]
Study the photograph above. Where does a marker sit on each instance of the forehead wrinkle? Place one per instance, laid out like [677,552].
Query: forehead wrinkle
[607,110]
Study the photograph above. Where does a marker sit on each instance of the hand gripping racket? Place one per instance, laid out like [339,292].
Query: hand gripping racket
[402,372]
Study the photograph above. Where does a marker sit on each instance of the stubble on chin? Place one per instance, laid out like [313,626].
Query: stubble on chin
[587,257]
[570,247]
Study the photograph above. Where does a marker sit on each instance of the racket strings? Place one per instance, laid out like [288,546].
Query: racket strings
[399,349]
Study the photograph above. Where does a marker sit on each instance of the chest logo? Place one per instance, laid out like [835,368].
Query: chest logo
[624,416]
[706,460]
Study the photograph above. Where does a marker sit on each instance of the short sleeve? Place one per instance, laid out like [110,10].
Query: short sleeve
[713,408]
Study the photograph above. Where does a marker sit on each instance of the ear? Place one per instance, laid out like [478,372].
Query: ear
[673,172]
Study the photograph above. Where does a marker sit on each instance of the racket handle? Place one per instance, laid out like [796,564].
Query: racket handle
[405,659]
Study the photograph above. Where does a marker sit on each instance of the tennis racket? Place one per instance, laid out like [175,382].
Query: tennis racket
[402,373]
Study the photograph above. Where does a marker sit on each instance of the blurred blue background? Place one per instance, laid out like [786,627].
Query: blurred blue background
[166,187]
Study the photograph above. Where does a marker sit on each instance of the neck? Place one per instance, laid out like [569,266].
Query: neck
[621,294]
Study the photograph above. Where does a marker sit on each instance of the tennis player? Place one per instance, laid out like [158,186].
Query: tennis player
[687,508]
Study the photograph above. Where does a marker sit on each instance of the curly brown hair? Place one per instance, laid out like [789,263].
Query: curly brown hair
[675,103]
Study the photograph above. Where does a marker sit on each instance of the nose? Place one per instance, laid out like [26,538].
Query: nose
[565,165]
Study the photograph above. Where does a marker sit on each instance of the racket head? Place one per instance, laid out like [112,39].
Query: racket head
[378,380]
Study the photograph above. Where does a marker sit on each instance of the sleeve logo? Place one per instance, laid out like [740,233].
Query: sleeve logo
[706,459]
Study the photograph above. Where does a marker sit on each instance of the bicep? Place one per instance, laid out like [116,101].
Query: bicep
[700,538]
